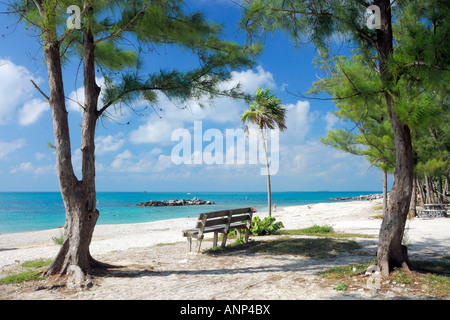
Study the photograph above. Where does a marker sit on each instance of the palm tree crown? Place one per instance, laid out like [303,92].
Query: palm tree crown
[266,112]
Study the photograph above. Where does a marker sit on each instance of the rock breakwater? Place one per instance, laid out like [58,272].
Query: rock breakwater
[175,202]
[361,197]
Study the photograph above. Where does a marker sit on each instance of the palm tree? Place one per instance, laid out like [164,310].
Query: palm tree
[267,113]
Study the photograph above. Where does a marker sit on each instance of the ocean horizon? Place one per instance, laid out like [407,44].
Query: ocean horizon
[35,211]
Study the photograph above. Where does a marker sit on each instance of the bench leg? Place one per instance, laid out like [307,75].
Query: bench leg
[247,233]
[216,234]
[224,239]
[238,231]
[199,243]
[189,244]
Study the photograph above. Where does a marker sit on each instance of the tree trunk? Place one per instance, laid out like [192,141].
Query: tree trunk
[269,192]
[79,196]
[391,253]
[430,189]
[441,198]
[423,199]
[413,203]
[447,185]
[385,197]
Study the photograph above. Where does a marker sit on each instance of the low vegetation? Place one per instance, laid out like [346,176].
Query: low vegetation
[29,271]
[428,278]
[323,231]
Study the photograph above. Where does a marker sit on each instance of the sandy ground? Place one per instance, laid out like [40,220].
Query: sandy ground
[157,265]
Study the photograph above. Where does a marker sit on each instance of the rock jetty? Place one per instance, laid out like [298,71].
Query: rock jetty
[175,202]
[361,197]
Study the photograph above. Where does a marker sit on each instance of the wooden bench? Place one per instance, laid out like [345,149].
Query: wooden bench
[220,222]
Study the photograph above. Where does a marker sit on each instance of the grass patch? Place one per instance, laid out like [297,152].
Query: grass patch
[317,229]
[438,285]
[343,271]
[434,276]
[29,275]
[59,240]
[322,231]
[39,263]
[320,248]
[163,244]
[439,267]
[401,277]
[378,207]
[31,271]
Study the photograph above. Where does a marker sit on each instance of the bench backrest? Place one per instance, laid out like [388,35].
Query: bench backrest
[215,218]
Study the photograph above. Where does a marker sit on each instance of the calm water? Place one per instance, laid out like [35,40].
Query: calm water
[32,211]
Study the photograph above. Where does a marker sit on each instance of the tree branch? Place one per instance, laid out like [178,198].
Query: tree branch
[39,89]
[38,4]
[423,63]
[115,34]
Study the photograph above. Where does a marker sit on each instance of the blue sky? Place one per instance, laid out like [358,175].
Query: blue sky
[137,156]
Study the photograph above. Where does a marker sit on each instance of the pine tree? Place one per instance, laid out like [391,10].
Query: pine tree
[420,57]
[98,37]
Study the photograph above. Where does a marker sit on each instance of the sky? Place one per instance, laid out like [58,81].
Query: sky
[134,151]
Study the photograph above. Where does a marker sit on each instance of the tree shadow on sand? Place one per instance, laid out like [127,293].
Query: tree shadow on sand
[323,249]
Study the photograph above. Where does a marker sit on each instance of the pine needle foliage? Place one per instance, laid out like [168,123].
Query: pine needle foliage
[127,33]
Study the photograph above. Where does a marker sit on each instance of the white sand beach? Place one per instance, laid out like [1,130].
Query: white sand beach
[156,264]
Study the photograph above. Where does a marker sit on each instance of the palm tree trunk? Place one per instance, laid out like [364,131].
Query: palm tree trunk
[269,192]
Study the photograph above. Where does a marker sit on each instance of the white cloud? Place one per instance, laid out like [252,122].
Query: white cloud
[154,131]
[24,166]
[250,80]
[221,110]
[151,161]
[330,120]
[32,110]
[109,143]
[122,161]
[298,120]
[30,168]
[15,90]
[9,147]
[39,156]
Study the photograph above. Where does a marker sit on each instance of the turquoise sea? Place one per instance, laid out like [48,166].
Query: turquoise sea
[32,211]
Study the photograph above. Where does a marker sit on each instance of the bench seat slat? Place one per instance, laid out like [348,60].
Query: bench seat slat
[238,225]
[222,213]
[243,217]
[219,221]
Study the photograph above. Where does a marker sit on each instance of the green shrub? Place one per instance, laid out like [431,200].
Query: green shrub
[59,240]
[341,286]
[260,227]
[265,226]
